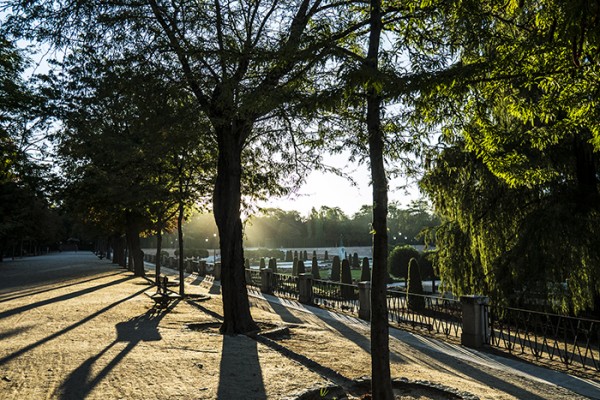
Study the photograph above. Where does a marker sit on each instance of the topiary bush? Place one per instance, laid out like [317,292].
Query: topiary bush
[415,287]
[316,274]
[268,253]
[399,258]
[301,268]
[347,279]
[365,274]
[262,264]
[335,269]
[355,261]
[273,265]
[326,258]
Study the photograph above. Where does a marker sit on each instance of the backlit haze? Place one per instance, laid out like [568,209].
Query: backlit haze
[327,189]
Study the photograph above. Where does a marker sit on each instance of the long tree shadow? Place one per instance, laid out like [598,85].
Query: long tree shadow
[354,336]
[441,355]
[31,291]
[55,335]
[240,366]
[143,328]
[63,297]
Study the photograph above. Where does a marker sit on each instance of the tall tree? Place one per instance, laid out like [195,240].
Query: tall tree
[245,62]
[519,116]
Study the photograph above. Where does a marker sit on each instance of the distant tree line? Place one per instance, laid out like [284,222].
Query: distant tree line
[326,227]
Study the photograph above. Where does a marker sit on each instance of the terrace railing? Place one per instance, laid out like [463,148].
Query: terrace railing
[336,295]
[432,313]
[285,286]
[253,277]
[572,341]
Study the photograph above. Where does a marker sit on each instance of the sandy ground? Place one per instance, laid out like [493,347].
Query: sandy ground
[93,333]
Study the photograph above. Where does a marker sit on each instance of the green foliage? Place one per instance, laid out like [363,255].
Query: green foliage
[399,258]
[335,269]
[316,274]
[301,269]
[262,263]
[193,252]
[365,274]
[273,265]
[415,287]
[279,228]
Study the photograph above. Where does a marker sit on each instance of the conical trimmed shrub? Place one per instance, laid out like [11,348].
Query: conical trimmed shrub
[414,290]
[347,279]
[273,265]
[335,269]
[262,264]
[316,274]
[365,274]
[301,268]
[295,267]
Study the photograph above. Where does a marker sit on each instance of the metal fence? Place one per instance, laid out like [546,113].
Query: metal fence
[253,277]
[336,295]
[572,341]
[433,313]
[286,286]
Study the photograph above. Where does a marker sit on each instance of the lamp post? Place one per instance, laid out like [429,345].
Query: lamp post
[214,247]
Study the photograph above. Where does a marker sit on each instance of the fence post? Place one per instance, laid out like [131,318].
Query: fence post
[474,326]
[305,288]
[364,300]
[217,271]
[266,277]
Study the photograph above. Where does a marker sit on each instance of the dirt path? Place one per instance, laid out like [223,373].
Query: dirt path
[74,327]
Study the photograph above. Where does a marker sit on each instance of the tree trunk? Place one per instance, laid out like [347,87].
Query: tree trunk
[226,204]
[136,255]
[381,384]
[158,251]
[180,235]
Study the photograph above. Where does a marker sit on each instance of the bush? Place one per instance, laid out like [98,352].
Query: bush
[193,252]
[315,268]
[273,265]
[260,253]
[426,265]
[399,258]
[365,274]
[335,269]
[415,287]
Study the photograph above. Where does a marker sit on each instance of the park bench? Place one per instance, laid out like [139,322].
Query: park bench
[163,295]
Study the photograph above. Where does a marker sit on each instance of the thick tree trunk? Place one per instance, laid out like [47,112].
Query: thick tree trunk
[381,386]
[133,237]
[226,203]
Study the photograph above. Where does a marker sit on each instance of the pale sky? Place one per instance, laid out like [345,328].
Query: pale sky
[326,189]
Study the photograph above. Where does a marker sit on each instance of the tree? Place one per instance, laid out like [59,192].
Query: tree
[26,212]
[119,187]
[521,146]
[399,259]
[246,63]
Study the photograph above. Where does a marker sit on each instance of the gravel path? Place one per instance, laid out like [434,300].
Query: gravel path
[73,326]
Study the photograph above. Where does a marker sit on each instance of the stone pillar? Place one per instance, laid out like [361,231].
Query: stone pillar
[202,268]
[305,288]
[266,280]
[217,271]
[364,300]
[475,324]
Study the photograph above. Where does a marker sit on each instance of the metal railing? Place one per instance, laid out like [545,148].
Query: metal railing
[433,313]
[336,295]
[253,277]
[285,286]
[572,341]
